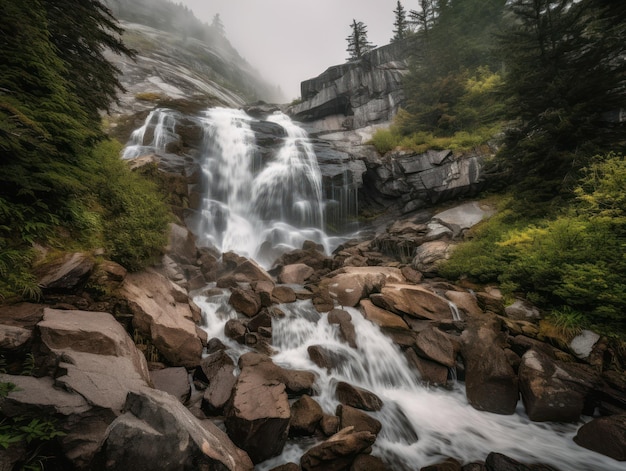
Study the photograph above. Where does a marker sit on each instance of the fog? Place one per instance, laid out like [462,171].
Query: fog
[289,41]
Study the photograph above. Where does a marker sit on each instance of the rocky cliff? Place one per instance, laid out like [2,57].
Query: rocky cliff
[358,93]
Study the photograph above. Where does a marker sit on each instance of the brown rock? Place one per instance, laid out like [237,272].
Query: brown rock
[245,301]
[448,465]
[357,397]
[329,424]
[368,463]
[351,284]
[360,420]
[305,416]
[13,337]
[429,255]
[415,301]
[326,358]
[296,381]
[437,346]
[295,274]
[162,316]
[25,315]
[466,302]
[346,328]
[174,381]
[284,294]
[381,317]
[218,393]
[287,467]
[67,273]
[338,452]
[606,435]
[235,329]
[430,371]
[258,417]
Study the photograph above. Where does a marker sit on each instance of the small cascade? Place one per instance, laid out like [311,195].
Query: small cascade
[157,132]
[454,310]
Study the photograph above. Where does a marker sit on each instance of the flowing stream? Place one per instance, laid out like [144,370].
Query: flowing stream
[260,207]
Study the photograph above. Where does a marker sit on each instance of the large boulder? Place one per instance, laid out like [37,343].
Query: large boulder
[338,452]
[415,301]
[552,390]
[257,419]
[346,328]
[245,301]
[357,397]
[174,381]
[490,381]
[65,274]
[306,415]
[435,345]
[162,313]
[296,381]
[351,284]
[158,433]
[360,420]
[295,274]
[606,435]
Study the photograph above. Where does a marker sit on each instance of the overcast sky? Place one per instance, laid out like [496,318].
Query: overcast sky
[289,41]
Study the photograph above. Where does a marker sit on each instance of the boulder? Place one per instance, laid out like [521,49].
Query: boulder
[448,465]
[346,328]
[605,435]
[430,371]
[14,337]
[174,381]
[24,315]
[326,358]
[466,302]
[218,370]
[245,301]
[182,245]
[158,433]
[430,255]
[490,381]
[582,345]
[360,420]
[552,390]
[415,301]
[368,463]
[235,329]
[357,397]
[65,274]
[283,294]
[384,319]
[257,418]
[329,424]
[295,274]
[435,345]
[296,381]
[522,310]
[500,462]
[338,452]
[162,313]
[306,415]
[349,288]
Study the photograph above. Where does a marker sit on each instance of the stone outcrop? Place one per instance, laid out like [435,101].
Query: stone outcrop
[162,313]
[361,92]
[158,432]
[338,452]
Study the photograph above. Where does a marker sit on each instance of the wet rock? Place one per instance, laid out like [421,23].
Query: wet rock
[552,390]
[500,462]
[162,313]
[465,302]
[296,381]
[381,317]
[174,381]
[287,467]
[284,294]
[368,463]
[326,358]
[157,432]
[433,344]
[310,256]
[414,301]
[360,420]
[357,397]
[338,452]
[329,424]
[245,301]
[65,274]
[261,320]
[296,274]
[257,419]
[306,415]
[346,328]
[236,330]
[430,371]
[605,435]
[448,465]
[491,383]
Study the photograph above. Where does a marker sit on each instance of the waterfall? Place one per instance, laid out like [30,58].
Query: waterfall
[157,132]
[454,311]
[421,425]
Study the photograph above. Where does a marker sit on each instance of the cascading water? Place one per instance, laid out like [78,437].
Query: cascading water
[421,425]
[157,132]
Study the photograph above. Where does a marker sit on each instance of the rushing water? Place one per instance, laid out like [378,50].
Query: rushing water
[259,208]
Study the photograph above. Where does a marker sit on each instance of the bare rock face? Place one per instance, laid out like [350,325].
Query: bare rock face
[338,452]
[163,314]
[357,397]
[67,273]
[606,435]
[258,416]
[490,381]
[158,433]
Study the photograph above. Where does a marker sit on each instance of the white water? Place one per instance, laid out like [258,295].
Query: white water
[441,420]
[156,133]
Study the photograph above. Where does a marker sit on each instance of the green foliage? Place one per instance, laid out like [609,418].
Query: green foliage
[358,44]
[6,388]
[574,260]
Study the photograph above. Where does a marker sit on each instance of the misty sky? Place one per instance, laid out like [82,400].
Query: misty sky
[289,41]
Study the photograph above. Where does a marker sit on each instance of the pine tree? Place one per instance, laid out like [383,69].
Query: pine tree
[217,25]
[357,41]
[565,68]
[401,24]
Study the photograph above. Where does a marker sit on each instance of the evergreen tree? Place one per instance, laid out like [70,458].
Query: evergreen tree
[357,41]
[565,68]
[217,25]
[424,18]
[401,24]
[81,31]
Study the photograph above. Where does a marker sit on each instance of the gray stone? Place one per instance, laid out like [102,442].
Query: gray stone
[174,381]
